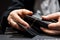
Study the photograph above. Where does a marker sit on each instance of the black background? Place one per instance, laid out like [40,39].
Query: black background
[3,6]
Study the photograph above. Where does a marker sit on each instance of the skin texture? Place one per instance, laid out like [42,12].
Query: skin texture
[54,28]
[18,15]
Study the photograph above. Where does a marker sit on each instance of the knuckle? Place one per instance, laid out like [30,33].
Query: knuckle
[13,12]
[8,18]
[23,9]
[14,24]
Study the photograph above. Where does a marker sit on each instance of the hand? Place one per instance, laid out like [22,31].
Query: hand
[54,28]
[16,16]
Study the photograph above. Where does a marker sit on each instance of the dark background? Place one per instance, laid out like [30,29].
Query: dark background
[3,6]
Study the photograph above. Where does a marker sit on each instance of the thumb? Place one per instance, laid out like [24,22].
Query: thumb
[51,16]
[55,26]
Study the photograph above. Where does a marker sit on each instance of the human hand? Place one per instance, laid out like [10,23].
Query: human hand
[16,16]
[53,28]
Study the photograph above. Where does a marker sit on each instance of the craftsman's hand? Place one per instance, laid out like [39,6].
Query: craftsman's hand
[16,16]
[53,28]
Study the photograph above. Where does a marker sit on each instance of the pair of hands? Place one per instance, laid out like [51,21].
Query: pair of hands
[17,15]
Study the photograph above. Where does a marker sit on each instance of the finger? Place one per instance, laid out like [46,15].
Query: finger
[55,26]
[27,12]
[20,20]
[50,32]
[23,12]
[14,24]
[51,16]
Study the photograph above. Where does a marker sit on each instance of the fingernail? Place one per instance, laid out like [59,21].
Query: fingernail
[45,16]
[27,26]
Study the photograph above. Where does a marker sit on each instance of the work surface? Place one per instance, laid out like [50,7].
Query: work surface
[17,36]
[20,37]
